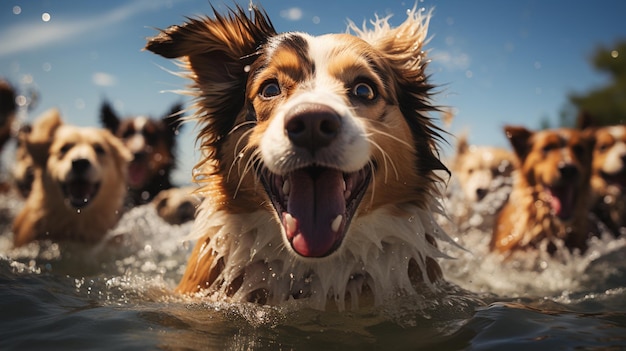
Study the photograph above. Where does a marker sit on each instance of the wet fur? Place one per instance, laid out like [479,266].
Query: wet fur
[528,218]
[47,214]
[241,253]
[475,167]
[608,179]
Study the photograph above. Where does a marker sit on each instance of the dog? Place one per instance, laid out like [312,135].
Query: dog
[550,196]
[23,169]
[79,182]
[483,174]
[8,108]
[321,171]
[177,205]
[476,167]
[608,178]
[152,143]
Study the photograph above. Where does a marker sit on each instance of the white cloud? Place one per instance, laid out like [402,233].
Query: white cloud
[103,79]
[33,35]
[291,14]
[451,61]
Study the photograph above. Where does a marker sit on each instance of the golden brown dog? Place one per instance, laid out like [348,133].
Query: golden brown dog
[608,180]
[177,205]
[320,170]
[79,182]
[550,196]
[476,167]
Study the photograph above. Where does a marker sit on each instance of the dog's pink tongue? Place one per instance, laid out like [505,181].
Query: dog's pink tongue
[562,201]
[316,200]
[136,174]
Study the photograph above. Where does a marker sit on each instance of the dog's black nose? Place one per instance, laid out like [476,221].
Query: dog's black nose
[80,165]
[481,193]
[568,171]
[312,126]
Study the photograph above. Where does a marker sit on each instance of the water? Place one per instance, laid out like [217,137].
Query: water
[119,296]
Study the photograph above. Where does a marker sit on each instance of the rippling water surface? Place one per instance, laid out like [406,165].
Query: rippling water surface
[119,296]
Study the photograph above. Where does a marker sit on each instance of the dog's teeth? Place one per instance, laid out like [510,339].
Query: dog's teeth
[336,223]
[290,223]
[344,185]
[346,194]
[286,187]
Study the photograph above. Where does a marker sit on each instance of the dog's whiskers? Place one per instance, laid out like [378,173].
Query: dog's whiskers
[386,159]
[238,155]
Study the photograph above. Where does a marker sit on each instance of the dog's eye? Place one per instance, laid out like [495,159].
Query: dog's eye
[65,148]
[99,149]
[364,91]
[603,147]
[269,90]
[150,136]
[548,148]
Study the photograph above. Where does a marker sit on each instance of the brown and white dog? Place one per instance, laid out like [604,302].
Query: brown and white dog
[320,170]
[152,143]
[608,179]
[79,182]
[550,196]
[8,108]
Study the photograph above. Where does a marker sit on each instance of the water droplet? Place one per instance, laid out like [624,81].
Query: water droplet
[17,10]
[45,17]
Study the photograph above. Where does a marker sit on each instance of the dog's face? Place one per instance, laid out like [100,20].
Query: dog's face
[78,161]
[556,163]
[609,159]
[476,167]
[23,171]
[150,141]
[316,130]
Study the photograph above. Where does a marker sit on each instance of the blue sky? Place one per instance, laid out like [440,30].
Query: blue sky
[498,62]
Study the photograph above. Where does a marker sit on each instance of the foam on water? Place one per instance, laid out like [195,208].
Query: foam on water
[141,260]
[532,273]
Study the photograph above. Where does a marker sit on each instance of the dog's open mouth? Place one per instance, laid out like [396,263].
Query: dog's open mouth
[563,200]
[618,178]
[316,205]
[137,173]
[80,192]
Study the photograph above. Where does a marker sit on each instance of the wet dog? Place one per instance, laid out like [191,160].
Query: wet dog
[152,143]
[608,179]
[477,167]
[8,108]
[550,196]
[484,176]
[177,205]
[23,168]
[79,182]
[321,164]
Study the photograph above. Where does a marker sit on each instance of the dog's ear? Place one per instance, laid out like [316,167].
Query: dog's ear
[217,53]
[518,137]
[108,117]
[462,145]
[174,118]
[40,138]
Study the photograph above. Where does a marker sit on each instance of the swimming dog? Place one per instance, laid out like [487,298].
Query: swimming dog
[550,196]
[152,143]
[608,179]
[321,168]
[79,182]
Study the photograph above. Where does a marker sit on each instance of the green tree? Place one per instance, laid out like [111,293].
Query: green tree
[606,105]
